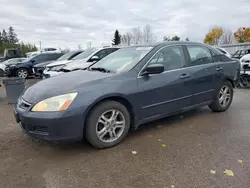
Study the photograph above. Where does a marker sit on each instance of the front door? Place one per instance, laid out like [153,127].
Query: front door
[164,93]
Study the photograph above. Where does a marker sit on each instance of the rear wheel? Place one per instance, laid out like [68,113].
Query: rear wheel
[22,73]
[107,125]
[223,98]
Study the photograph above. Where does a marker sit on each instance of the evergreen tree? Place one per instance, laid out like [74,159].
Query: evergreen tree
[12,37]
[5,37]
[175,38]
[117,38]
[1,41]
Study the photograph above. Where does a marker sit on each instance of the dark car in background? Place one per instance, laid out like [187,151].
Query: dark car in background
[39,68]
[9,62]
[129,87]
[24,69]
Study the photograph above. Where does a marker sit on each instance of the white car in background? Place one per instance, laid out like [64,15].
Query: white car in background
[9,62]
[83,60]
[222,50]
[47,50]
[245,60]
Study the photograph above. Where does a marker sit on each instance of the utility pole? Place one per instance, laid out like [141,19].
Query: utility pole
[40,44]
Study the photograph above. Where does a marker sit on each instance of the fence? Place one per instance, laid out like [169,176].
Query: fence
[232,48]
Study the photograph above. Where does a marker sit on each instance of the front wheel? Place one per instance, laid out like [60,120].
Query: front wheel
[107,125]
[223,98]
[22,73]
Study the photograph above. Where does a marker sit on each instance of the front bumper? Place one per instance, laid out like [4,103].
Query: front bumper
[64,126]
[38,71]
[48,74]
[10,71]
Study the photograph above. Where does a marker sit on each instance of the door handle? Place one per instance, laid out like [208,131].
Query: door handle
[183,76]
[219,68]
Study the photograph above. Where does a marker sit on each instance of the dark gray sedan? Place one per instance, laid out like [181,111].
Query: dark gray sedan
[132,86]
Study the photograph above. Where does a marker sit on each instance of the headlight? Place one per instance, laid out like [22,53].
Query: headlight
[54,104]
[57,68]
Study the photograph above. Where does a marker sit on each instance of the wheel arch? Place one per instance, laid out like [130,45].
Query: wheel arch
[114,97]
[231,81]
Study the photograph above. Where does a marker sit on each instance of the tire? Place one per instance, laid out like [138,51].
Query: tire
[95,124]
[22,73]
[222,105]
[1,73]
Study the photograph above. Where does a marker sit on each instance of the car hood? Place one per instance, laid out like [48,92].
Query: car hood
[58,63]
[77,64]
[43,64]
[62,84]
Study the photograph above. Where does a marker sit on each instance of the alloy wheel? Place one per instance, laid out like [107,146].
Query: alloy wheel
[224,96]
[22,73]
[110,125]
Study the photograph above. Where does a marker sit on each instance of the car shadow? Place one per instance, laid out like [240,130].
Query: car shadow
[147,128]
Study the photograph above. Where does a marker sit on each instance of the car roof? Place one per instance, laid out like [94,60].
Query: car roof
[166,43]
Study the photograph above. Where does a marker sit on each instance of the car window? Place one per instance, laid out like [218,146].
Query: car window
[39,58]
[102,53]
[50,57]
[85,54]
[171,57]
[199,55]
[111,50]
[69,56]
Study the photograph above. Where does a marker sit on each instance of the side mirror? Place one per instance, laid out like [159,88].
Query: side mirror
[153,69]
[33,61]
[94,58]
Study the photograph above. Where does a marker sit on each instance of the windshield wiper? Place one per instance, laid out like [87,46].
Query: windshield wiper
[101,69]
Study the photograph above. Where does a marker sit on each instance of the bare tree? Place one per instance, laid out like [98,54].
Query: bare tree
[89,44]
[227,36]
[147,34]
[127,38]
[67,49]
[79,46]
[137,35]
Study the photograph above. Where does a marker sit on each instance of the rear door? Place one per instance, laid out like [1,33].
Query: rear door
[203,77]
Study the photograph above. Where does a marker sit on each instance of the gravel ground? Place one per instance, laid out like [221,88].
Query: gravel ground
[191,150]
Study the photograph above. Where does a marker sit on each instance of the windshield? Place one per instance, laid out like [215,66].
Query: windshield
[85,54]
[66,56]
[31,57]
[122,60]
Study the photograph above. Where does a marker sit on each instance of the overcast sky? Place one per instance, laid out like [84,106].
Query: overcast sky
[67,23]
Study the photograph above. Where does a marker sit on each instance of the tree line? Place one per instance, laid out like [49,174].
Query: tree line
[138,35]
[215,36]
[9,39]
[219,35]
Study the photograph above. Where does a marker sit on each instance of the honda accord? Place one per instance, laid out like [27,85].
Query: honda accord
[130,87]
